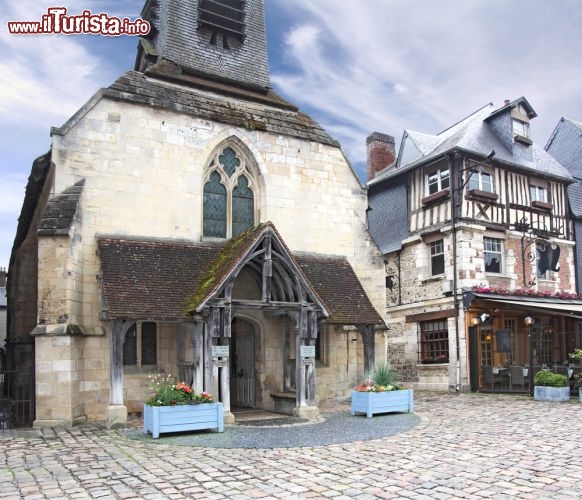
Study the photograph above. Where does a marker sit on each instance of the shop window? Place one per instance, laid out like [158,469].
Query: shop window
[140,345]
[434,342]
[486,345]
[493,253]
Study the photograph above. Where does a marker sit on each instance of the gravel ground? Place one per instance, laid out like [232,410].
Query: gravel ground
[328,429]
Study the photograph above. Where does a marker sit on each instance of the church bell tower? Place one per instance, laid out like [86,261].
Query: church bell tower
[219,40]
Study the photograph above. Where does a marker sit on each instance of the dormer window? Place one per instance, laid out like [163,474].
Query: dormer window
[520,131]
[520,128]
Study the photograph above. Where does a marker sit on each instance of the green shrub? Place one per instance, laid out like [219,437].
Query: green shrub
[550,379]
[383,375]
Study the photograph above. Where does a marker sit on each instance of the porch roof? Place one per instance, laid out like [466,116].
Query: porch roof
[571,308]
[146,279]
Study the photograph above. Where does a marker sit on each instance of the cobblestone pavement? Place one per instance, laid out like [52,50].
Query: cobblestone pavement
[465,446]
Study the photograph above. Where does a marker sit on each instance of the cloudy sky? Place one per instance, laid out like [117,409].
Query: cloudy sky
[356,66]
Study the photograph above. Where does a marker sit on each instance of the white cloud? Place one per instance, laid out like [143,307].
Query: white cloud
[425,64]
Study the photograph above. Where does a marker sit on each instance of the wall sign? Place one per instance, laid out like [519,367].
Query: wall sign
[307,351]
[220,351]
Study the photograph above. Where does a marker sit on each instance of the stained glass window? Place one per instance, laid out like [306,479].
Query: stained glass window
[214,217]
[229,161]
[243,212]
[229,196]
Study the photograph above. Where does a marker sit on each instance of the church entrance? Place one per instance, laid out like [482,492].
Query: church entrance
[242,368]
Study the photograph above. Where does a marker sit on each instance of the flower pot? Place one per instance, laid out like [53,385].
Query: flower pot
[161,419]
[382,402]
[558,394]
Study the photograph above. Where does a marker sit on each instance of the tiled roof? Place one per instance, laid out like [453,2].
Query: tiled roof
[165,280]
[337,284]
[151,279]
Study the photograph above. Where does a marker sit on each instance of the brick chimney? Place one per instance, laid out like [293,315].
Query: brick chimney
[381,153]
[2,277]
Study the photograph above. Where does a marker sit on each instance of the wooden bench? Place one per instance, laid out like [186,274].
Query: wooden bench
[284,402]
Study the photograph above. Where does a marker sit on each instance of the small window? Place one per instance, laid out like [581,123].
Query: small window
[538,193]
[437,258]
[520,128]
[140,345]
[434,342]
[493,255]
[437,180]
[481,181]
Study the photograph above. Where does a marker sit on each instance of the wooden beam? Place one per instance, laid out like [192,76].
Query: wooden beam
[118,330]
[429,316]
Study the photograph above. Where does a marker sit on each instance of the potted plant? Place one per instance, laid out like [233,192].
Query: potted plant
[381,394]
[576,355]
[549,386]
[175,407]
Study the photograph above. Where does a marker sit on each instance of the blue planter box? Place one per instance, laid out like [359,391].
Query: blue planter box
[160,419]
[382,402]
[558,394]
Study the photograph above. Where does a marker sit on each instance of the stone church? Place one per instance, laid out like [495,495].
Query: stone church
[190,221]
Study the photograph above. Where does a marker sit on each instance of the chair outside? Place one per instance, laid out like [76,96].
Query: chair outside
[489,378]
[516,377]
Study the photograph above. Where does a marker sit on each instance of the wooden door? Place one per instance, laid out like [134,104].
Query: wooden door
[243,364]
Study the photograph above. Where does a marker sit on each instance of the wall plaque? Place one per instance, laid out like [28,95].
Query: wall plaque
[307,351]
[220,351]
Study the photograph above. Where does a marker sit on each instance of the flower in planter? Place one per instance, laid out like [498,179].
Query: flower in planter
[167,391]
[381,380]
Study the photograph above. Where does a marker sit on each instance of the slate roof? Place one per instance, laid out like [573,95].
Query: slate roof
[565,145]
[163,280]
[211,101]
[60,211]
[472,135]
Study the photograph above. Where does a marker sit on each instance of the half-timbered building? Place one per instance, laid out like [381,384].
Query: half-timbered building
[189,220]
[479,250]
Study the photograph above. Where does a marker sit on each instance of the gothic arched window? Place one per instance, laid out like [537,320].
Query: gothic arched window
[229,197]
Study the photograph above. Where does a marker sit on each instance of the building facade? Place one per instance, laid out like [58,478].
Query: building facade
[189,220]
[479,248]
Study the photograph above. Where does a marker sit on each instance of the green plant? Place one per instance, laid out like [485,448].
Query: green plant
[382,375]
[576,354]
[549,379]
[382,379]
[167,391]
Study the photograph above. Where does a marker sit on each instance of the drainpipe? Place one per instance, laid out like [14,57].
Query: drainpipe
[454,193]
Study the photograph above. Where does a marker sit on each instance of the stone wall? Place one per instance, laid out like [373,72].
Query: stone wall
[418,293]
[144,173]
